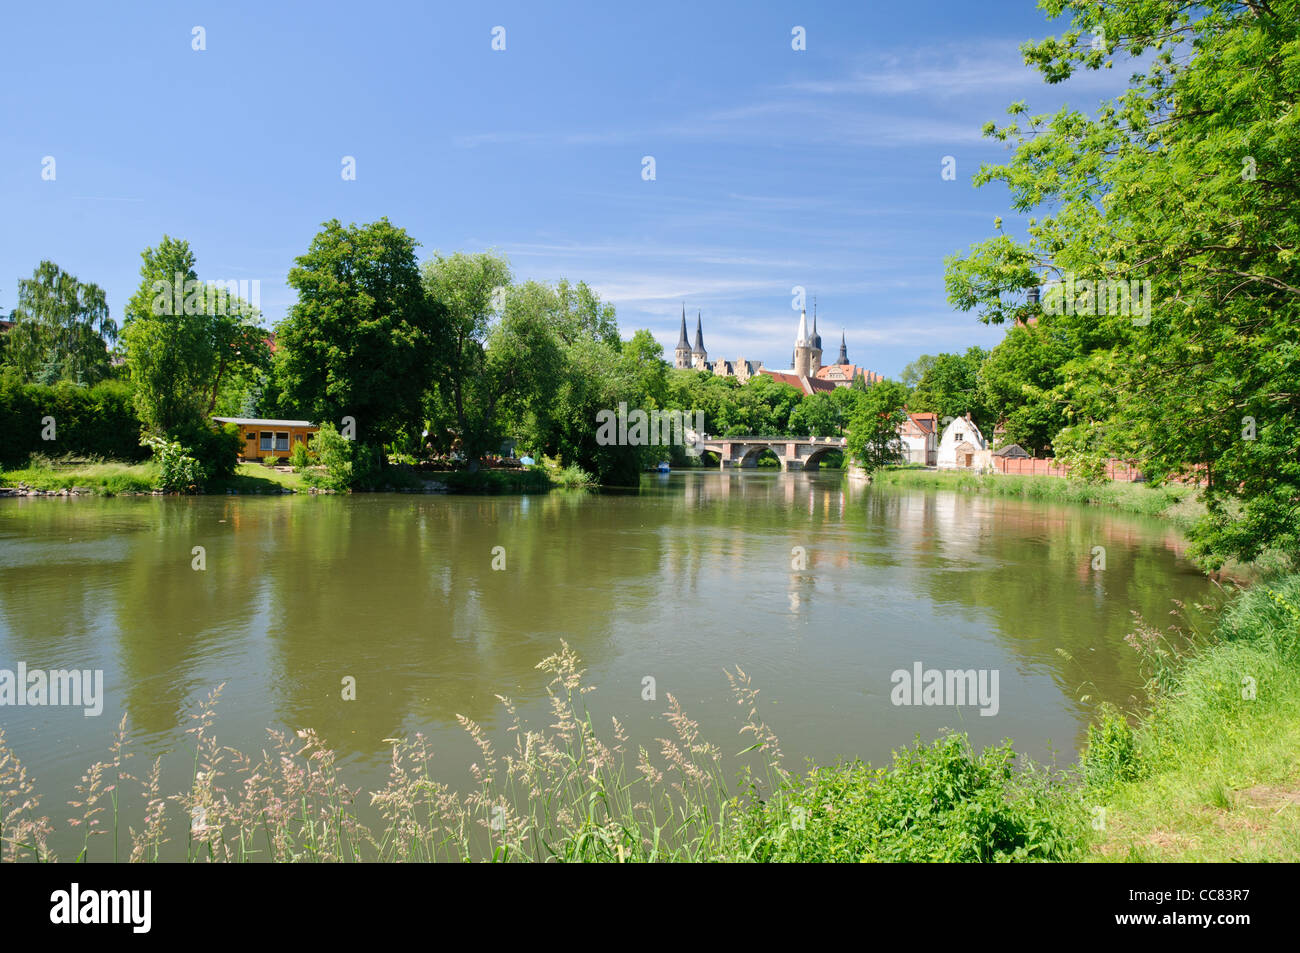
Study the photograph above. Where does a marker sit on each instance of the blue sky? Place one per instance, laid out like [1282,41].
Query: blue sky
[774,168]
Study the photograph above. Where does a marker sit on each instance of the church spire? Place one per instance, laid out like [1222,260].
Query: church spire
[844,351]
[683,341]
[699,334]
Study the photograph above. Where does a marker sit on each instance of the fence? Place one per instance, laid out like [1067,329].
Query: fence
[1046,466]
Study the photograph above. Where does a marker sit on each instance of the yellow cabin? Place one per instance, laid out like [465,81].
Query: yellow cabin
[269,439]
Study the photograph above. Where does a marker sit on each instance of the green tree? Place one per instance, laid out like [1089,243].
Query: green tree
[1182,189]
[62,329]
[470,291]
[950,387]
[183,338]
[817,415]
[1021,382]
[873,440]
[361,340]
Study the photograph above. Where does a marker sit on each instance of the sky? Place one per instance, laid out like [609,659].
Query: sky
[774,168]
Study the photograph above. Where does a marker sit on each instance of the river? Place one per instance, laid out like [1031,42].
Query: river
[820,590]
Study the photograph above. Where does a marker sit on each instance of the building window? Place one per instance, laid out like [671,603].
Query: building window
[250,436]
[266,442]
[282,441]
[300,438]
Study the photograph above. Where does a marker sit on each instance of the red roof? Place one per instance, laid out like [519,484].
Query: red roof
[923,423]
[847,372]
[807,385]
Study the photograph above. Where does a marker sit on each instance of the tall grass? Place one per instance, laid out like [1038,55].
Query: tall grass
[1208,772]
[563,792]
[1176,503]
[106,478]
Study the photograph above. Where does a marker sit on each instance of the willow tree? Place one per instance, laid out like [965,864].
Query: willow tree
[1184,190]
[62,329]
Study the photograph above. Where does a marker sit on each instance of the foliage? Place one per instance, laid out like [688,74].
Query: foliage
[1186,181]
[62,329]
[873,430]
[178,471]
[573,476]
[97,421]
[182,345]
[216,448]
[1020,379]
[299,457]
[334,454]
[1111,755]
[949,386]
[361,339]
[937,803]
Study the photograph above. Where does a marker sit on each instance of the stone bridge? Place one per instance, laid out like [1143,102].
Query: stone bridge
[795,453]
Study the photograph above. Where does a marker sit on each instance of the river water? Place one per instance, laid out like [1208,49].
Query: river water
[820,590]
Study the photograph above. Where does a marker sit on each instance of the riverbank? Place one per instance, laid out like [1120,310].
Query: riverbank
[1211,771]
[142,479]
[1178,504]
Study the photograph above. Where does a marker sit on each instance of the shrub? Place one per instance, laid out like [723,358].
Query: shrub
[334,453]
[573,475]
[216,449]
[299,458]
[940,802]
[89,422]
[1111,756]
[178,471]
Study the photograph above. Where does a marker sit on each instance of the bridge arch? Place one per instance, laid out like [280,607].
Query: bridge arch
[814,459]
[755,450]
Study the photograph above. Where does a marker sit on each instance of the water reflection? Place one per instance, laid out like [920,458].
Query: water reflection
[818,588]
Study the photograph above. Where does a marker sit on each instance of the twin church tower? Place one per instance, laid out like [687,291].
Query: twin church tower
[806,362]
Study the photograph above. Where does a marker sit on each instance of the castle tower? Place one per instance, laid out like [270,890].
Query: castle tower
[844,351]
[814,345]
[682,353]
[699,356]
[802,347]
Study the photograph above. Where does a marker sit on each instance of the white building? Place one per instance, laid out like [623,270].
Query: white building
[919,436]
[962,446]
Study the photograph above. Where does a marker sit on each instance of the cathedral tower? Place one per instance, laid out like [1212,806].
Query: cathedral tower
[814,345]
[682,353]
[802,347]
[699,356]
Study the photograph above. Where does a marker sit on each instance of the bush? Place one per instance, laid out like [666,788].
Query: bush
[89,422]
[345,464]
[1111,756]
[216,449]
[299,458]
[179,472]
[940,802]
[573,475]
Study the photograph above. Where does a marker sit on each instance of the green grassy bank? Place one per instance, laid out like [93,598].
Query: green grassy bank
[1211,771]
[117,479]
[1175,503]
